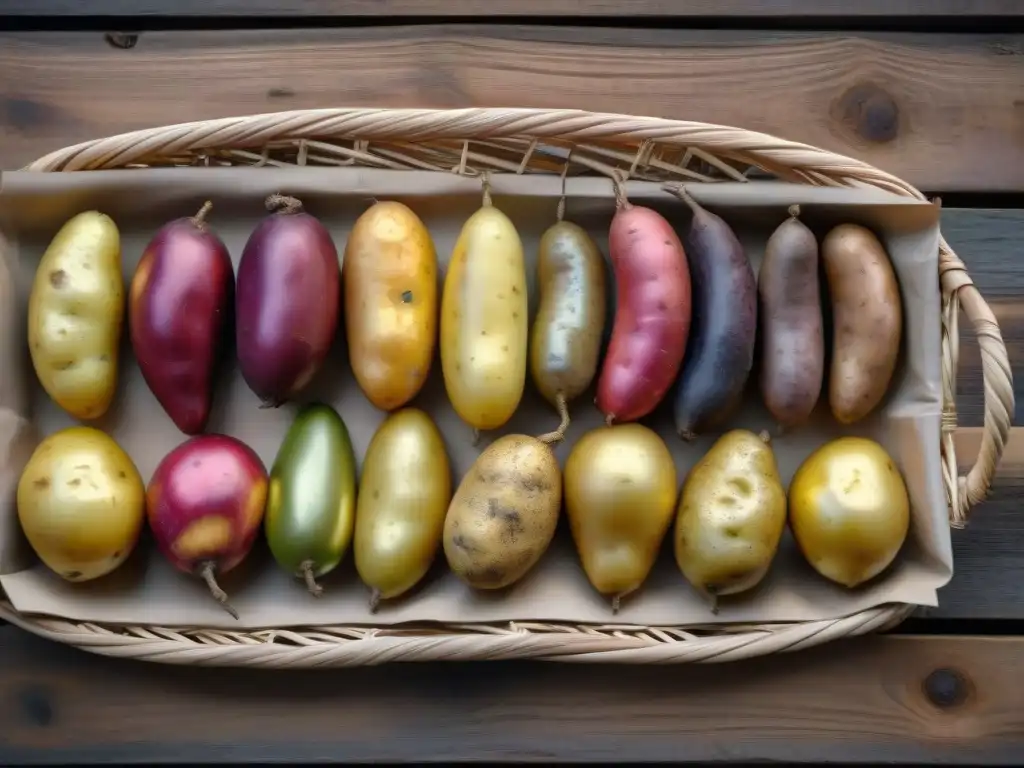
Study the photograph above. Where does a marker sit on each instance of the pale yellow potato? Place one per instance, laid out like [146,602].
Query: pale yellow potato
[76,313]
[484,321]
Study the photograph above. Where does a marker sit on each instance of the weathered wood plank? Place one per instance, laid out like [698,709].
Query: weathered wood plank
[864,701]
[830,9]
[988,556]
[941,110]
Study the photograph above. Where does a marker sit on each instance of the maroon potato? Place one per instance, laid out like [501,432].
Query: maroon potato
[205,506]
[179,308]
[287,303]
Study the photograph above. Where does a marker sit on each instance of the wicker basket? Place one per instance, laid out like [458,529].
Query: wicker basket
[527,141]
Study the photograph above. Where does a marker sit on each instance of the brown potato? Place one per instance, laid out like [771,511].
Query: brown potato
[504,513]
[867,316]
[793,352]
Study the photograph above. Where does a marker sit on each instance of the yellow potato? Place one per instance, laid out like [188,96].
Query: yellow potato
[732,512]
[81,503]
[484,321]
[404,492]
[504,513]
[390,281]
[849,510]
[75,315]
[620,493]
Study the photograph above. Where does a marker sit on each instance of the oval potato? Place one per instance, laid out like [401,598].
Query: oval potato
[76,313]
[390,283]
[484,321]
[81,503]
[867,316]
[504,513]
[404,493]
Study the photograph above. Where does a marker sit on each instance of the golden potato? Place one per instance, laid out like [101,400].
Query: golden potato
[732,513]
[849,510]
[404,492]
[504,513]
[81,503]
[620,492]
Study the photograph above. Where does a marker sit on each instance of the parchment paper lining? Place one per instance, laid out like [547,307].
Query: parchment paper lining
[147,591]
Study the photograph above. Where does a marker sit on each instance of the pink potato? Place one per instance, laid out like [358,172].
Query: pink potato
[652,318]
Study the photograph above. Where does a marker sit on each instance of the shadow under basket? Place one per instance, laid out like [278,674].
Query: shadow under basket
[531,143]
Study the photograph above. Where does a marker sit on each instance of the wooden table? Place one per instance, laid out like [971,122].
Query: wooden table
[932,91]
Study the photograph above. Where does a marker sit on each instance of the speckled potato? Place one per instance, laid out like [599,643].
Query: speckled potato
[849,510]
[565,341]
[75,315]
[732,513]
[484,321]
[867,319]
[620,493]
[504,513]
[404,492]
[81,503]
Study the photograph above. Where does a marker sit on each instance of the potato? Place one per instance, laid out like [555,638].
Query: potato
[484,321]
[504,513]
[75,315]
[867,316]
[390,283]
[81,503]
[732,513]
[849,510]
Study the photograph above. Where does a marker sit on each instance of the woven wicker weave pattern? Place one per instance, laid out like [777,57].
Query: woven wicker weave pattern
[526,141]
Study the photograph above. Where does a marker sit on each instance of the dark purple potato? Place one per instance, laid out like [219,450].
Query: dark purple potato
[178,314]
[287,302]
[724,327]
[793,354]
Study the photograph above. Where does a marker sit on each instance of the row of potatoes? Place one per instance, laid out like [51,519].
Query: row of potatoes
[81,503]
[694,332]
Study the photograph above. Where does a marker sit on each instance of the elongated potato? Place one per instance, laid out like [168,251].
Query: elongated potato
[76,313]
[484,321]
[504,513]
[565,341]
[390,283]
[867,316]
[652,314]
[793,352]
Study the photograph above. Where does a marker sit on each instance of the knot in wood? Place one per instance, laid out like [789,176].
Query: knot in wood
[868,111]
[946,688]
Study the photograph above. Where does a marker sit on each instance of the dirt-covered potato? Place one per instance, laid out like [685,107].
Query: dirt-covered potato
[504,513]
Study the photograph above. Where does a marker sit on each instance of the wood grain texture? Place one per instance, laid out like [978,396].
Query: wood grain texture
[893,699]
[943,111]
[830,9]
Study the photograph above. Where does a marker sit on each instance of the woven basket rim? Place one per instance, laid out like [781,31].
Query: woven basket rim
[622,147]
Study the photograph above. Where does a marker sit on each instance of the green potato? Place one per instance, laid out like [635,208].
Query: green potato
[312,498]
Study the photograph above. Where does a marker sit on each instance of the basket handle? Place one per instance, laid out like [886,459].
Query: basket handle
[959,291]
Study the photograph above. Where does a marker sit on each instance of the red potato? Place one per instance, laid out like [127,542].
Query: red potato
[652,317]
